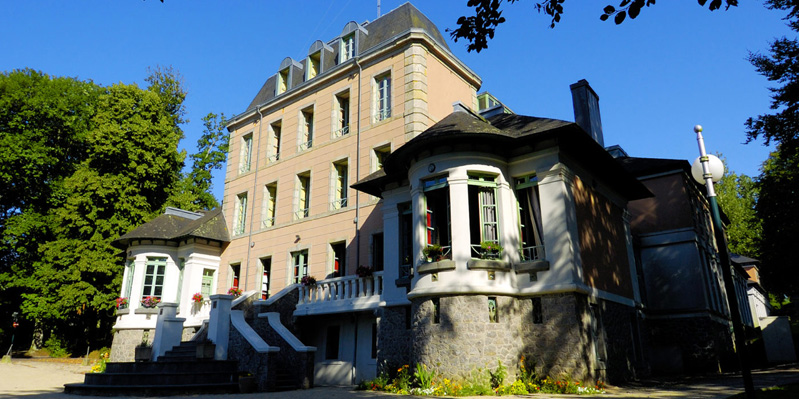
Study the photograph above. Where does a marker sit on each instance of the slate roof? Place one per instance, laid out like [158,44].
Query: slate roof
[648,166]
[507,135]
[380,32]
[173,227]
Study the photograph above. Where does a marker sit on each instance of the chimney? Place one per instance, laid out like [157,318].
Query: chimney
[586,110]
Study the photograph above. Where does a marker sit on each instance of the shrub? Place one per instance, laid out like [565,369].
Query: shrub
[498,375]
[56,347]
[424,376]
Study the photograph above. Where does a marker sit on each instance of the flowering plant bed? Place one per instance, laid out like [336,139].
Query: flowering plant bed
[122,303]
[308,280]
[197,298]
[364,271]
[150,302]
[235,291]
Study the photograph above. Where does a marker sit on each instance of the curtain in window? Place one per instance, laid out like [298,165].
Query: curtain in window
[488,214]
[533,208]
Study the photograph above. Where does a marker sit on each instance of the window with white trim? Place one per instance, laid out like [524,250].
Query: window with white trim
[379,155]
[299,261]
[154,274]
[377,252]
[405,238]
[530,228]
[240,218]
[339,186]
[266,271]
[339,254]
[282,81]
[341,125]
[245,155]
[273,150]
[483,220]
[268,208]
[313,65]
[181,267]
[382,97]
[130,267]
[207,285]
[347,49]
[306,129]
[303,195]
[235,274]
[437,210]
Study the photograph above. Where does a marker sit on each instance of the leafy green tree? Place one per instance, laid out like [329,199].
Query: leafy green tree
[777,204]
[481,26]
[737,196]
[110,162]
[193,191]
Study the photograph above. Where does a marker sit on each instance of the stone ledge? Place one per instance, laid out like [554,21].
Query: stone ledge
[145,311]
[435,267]
[532,266]
[123,311]
[488,264]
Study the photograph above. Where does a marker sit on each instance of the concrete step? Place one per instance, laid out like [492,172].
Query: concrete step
[150,390]
[187,378]
[167,366]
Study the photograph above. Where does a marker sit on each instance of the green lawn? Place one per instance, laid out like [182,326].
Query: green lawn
[781,392]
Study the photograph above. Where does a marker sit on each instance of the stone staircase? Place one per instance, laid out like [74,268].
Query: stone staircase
[178,372]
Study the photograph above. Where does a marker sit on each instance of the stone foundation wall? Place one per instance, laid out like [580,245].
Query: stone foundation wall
[622,350]
[393,339]
[694,345]
[124,342]
[465,340]
[262,365]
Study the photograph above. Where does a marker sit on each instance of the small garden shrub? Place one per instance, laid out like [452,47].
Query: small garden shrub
[426,381]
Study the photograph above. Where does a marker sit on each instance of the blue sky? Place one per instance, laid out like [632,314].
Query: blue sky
[675,66]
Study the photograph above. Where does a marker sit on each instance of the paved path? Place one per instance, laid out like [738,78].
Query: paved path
[34,379]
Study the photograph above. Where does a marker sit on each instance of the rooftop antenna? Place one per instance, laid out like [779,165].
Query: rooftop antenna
[378,8]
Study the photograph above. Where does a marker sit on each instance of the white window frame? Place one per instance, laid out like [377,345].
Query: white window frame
[299,265]
[245,155]
[240,214]
[275,138]
[313,65]
[381,97]
[339,175]
[305,128]
[303,196]
[269,207]
[282,84]
[347,47]
[341,116]
[159,264]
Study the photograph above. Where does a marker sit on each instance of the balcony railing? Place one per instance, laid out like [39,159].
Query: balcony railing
[341,132]
[268,222]
[480,253]
[339,203]
[535,252]
[273,158]
[301,214]
[340,294]
[306,145]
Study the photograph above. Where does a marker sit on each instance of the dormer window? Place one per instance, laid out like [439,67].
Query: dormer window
[282,81]
[347,50]
[313,65]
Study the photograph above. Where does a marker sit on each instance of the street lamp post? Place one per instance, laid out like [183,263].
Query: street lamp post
[726,269]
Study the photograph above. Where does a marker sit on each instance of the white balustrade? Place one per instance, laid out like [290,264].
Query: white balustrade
[342,289]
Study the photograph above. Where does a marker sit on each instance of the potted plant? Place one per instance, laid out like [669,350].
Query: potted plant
[122,303]
[205,350]
[433,253]
[490,250]
[144,351]
[308,280]
[235,291]
[150,302]
[364,271]
[197,298]
[247,383]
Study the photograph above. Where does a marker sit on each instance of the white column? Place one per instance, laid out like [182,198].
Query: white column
[219,324]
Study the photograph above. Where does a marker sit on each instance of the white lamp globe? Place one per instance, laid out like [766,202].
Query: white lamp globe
[716,169]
